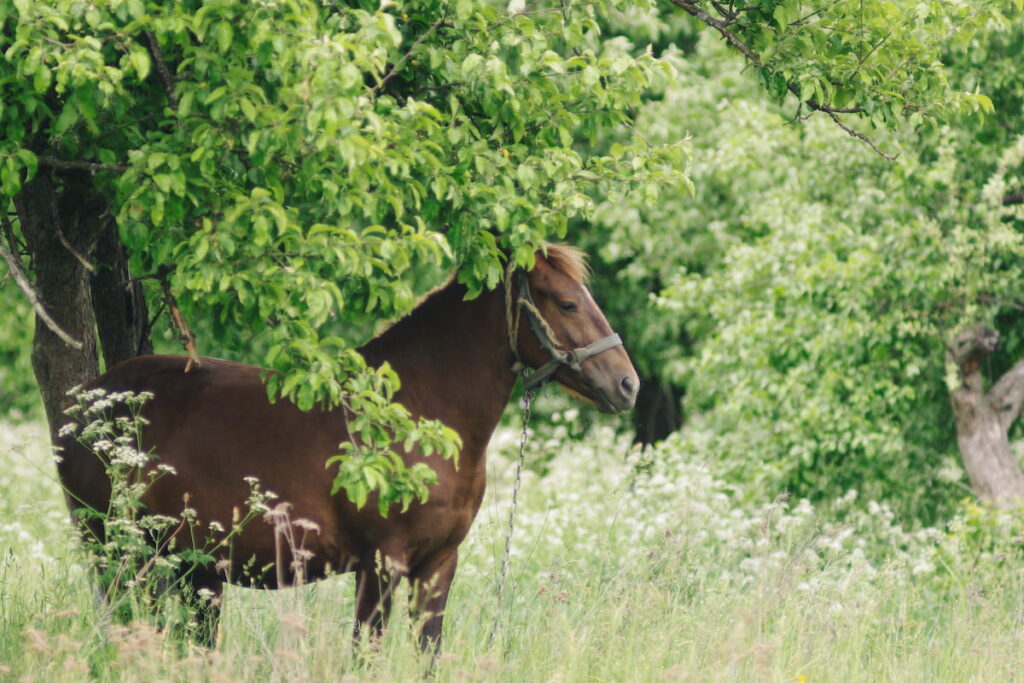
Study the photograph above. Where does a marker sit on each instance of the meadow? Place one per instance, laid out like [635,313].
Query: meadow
[626,566]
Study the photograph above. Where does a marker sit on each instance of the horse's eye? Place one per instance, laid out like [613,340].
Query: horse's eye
[567,306]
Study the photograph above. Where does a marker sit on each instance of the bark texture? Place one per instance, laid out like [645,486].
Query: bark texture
[984,418]
[60,219]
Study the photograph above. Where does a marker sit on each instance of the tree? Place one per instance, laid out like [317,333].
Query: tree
[290,170]
[281,176]
[835,281]
[861,66]
[983,419]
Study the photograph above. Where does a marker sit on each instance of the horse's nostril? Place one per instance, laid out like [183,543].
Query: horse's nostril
[628,386]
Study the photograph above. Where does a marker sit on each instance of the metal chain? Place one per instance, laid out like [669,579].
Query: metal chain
[528,397]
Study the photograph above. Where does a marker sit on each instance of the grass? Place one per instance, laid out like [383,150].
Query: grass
[615,576]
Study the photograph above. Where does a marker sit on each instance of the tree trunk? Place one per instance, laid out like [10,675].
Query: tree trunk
[117,300]
[60,219]
[983,419]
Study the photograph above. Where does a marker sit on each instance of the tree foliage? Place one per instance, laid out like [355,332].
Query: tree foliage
[296,172]
[877,59]
[830,281]
[290,167]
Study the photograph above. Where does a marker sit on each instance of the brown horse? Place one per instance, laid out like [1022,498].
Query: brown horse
[215,426]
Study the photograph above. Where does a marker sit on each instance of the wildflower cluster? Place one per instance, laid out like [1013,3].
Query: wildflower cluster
[143,559]
[110,425]
[603,506]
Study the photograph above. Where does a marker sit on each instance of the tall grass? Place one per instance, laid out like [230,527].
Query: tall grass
[638,568]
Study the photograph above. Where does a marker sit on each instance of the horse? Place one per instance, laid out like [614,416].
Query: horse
[457,361]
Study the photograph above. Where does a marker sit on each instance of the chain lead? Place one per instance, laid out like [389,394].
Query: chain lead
[527,399]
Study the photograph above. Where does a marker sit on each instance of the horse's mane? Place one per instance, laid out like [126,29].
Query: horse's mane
[569,259]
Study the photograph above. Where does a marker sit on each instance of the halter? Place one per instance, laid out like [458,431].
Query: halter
[545,335]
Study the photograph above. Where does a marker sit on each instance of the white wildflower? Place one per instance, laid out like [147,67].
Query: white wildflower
[922,566]
[102,445]
[128,456]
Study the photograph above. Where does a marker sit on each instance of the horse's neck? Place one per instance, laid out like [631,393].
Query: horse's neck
[453,358]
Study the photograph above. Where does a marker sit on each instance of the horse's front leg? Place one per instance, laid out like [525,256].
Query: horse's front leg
[374,589]
[431,582]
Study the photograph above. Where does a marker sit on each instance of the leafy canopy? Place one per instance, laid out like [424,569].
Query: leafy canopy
[299,168]
[821,283]
[880,59]
[295,166]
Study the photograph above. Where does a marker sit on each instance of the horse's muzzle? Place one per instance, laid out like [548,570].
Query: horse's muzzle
[619,397]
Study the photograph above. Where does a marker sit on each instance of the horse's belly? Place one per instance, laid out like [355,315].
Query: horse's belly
[227,464]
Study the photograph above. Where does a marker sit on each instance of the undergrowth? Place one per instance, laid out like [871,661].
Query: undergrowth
[626,565]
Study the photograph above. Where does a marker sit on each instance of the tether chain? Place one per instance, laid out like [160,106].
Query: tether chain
[528,397]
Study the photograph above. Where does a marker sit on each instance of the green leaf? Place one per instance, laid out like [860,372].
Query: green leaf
[134,234]
[30,161]
[10,178]
[471,63]
[224,34]
[163,181]
[249,111]
[140,61]
[41,80]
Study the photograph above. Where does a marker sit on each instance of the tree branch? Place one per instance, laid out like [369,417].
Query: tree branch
[860,136]
[723,28]
[1013,199]
[864,59]
[165,73]
[1007,395]
[12,243]
[188,340]
[74,252]
[90,166]
[37,304]
[375,90]
[972,344]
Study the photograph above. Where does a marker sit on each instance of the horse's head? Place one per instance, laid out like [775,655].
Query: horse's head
[560,331]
